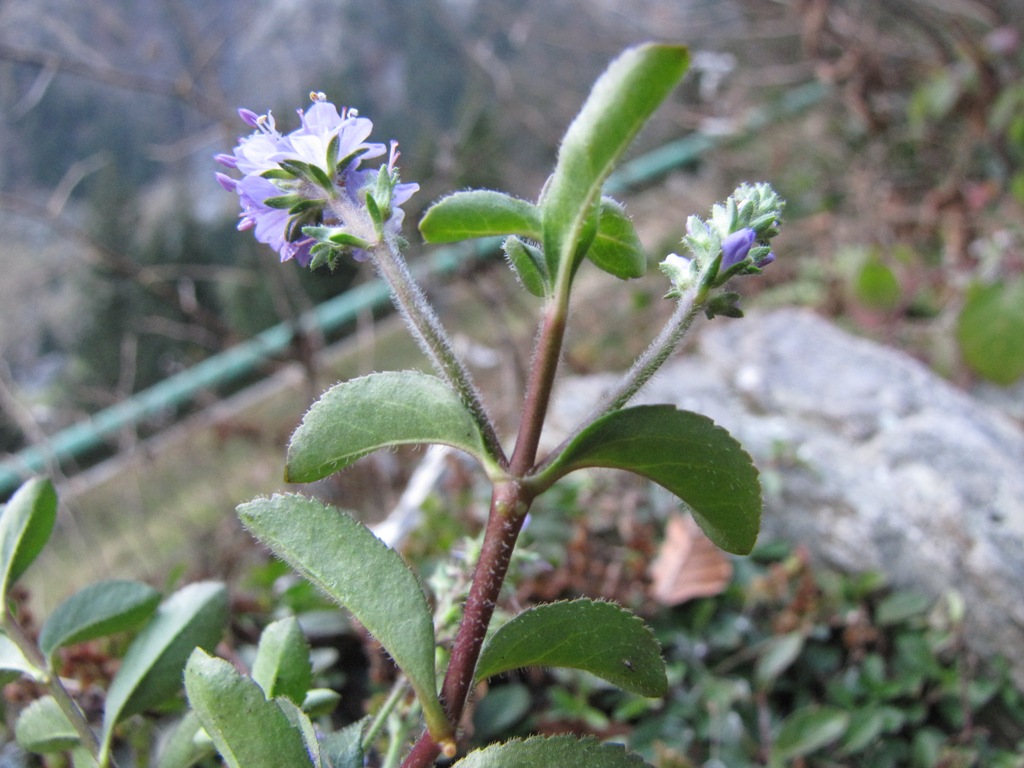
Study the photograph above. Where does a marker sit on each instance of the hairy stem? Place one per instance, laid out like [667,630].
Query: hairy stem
[509,504]
[53,684]
[648,363]
[428,331]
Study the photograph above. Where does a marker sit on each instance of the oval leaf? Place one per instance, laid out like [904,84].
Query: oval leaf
[561,751]
[360,416]
[990,330]
[621,101]
[248,730]
[96,611]
[194,616]
[684,452]
[809,729]
[601,638]
[776,656]
[347,561]
[479,213]
[43,727]
[617,248]
[281,667]
[26,522]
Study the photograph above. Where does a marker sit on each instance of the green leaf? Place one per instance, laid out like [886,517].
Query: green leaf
[301,723]
[248,730]
[876,285]
[616,248]
[181,749]
[684,452]
[43,727]
[282,664]
[528,264]
[776,656]
[96,611]
[621,101]
[320,702]
[543,752]
[807,730]
[13,663]
[601,638]
[344,748]
[863,730]
[990,330]
[479,213]
[26,522]
[360,416]
[150,672]
[900,606]
[343,557]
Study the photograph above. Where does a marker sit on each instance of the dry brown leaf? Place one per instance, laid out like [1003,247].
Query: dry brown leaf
[688,565]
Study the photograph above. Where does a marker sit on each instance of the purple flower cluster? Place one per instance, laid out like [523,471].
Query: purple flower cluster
[310,176]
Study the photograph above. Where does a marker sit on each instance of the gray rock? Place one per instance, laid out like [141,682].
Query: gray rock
[867,457]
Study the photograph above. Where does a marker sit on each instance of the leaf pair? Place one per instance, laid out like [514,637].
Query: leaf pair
[571,220]
[684,452]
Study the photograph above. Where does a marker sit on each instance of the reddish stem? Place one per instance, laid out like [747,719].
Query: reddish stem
[509,504]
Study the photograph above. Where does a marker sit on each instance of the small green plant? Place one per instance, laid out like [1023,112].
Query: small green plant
[307,194]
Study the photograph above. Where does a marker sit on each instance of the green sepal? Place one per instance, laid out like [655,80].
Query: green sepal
[322,255]
[528,264]
[311,173]
[601,638]
[26,522]
[621,101]
[335,236]
[346,560]
[376,215]
[278,174]
[548,751]
[248,730]
[381,410]
[616,247]
[480,213]
[685,453]
[723,304]
[332,152]
[284,202]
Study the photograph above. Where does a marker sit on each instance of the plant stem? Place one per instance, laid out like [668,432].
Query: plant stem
[52,682]
[428,331]
[538,388]
[647,364]
[509,505]
[397,692]
[510,502]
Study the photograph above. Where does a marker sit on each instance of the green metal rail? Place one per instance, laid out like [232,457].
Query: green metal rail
[242,359]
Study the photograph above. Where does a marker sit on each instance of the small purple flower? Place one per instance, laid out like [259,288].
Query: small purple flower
[321,166]
[735,248]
